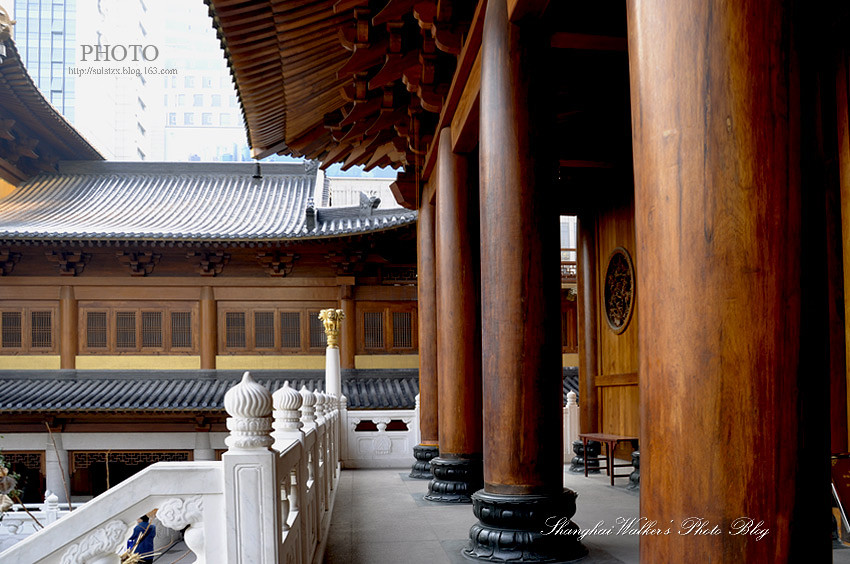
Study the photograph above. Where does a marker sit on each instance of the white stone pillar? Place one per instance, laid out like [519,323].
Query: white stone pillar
[332,321]
[203,449]
[57,478]
[571,424]
[251,490]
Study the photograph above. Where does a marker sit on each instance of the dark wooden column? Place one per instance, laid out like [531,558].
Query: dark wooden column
[69,328]
[347,345]
[588,361]
[520,308]
[457,471]
[427,448]
[209,326]
[716,135]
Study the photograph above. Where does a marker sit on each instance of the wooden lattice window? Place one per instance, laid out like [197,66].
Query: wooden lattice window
[318,339]
[373,329]
[12,330]
[402,330]
[125,329]
[41,329]
[264,329]
[96,329]
[152,329]
[290,330]
[181,329]
[235,330]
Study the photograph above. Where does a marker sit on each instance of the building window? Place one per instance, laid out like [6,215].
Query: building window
[188,118]
[164,328]
[189,82]
[373,329]
[198,100]
[224,120]
[41,329]
[12,330]
[264,329]
[290,330]
[181,99]
[402,330]
[234,329]
[172,118]
[216,100]
[96,329]
[206,118]
[206,82]
[318,339]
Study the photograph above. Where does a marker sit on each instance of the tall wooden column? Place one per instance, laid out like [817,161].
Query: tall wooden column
[587,318]
[427,448]
[520,308]
[209,328]
[716,137]
[457,471]
[69,328]
[349,324]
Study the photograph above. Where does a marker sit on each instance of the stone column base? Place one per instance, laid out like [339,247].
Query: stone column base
[524,528]
[455,479]
[594,448]
[422,467]
[634,477]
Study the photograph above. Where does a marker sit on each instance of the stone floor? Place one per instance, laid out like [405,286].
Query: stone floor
[381,518]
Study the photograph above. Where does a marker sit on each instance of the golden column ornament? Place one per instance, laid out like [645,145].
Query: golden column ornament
[332,320]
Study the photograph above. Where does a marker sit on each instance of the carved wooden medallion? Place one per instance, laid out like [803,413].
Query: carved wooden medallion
[619,290]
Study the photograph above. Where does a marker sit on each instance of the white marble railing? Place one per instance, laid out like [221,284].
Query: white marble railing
[379,438]
[258,505]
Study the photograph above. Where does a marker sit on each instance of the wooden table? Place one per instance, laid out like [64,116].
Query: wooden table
[610,442]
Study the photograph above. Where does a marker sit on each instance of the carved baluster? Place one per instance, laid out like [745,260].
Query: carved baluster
[285,487]
[308,408]
[287,417]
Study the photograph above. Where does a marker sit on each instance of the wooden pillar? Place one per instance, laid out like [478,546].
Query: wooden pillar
[69,328]
[716,137]
[520,304]
[427,305]
[457,471]
[349,324]
[209,328]
[588,362]
[843,131]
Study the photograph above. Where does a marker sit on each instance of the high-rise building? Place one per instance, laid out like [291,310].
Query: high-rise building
[46,37]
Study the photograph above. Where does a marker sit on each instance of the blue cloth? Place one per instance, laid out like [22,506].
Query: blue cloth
[147,532]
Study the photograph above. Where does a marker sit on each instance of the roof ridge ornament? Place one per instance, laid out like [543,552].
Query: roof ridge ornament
[6,23]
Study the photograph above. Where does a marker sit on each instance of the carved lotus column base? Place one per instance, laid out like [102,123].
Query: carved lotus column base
[455,479]
[634,477]
[510,529]
[594,448]
[422,467]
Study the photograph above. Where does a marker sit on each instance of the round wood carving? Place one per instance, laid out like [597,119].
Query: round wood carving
[619,290]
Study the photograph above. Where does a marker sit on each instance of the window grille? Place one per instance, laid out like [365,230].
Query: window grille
[402,330]
[41,329]
[125,329]
[373,329]
[152,329]
[290,330]
[181,329]
[318,338]
[11,329]
[96,330]
[234,329]
[264,329]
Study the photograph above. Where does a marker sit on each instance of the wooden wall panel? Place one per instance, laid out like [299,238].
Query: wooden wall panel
[620,413]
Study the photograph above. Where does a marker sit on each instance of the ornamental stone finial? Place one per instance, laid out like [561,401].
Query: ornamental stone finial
[249,405]
[287,403]
[6,23]
[308,411]
[332,320]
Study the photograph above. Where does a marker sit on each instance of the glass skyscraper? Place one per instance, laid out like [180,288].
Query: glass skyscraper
[45,34]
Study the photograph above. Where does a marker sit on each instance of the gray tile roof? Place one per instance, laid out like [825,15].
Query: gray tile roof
[181,391]
[86,391]
[183,202]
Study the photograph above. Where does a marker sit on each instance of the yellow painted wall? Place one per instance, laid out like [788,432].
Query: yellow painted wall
[268,362]
[30,362]
[137,362]
[386,361]
[569,359]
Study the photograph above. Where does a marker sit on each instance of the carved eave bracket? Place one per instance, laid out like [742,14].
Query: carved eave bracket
[70,263]
[8,260]
[139,263]
[277,263]
[209,263]
[346,263]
